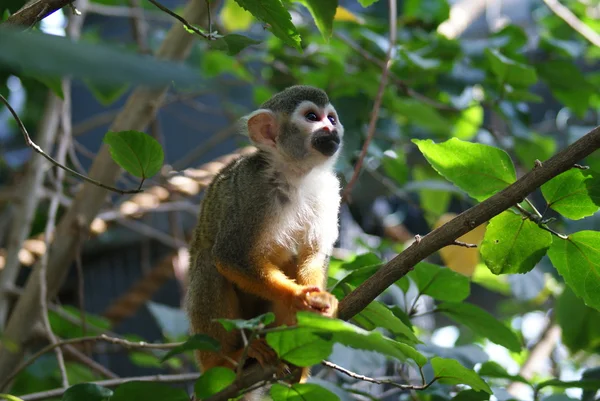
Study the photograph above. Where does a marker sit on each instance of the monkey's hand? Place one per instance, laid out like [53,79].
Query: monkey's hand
[314,300]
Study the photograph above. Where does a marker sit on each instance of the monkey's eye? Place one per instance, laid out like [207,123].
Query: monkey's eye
[332,120]
[311,116]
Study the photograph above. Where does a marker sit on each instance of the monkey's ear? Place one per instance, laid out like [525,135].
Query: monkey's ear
[263,127]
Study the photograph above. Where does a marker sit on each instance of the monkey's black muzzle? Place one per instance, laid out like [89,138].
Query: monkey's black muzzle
[326,142]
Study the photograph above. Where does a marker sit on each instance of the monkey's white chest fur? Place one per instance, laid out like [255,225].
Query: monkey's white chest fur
[305,212]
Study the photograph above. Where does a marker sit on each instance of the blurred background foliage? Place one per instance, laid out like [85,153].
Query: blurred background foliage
[507,73]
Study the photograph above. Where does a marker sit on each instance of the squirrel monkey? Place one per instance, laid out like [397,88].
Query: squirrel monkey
[267,226]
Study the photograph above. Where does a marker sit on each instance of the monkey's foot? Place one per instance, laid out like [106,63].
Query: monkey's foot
[322,302]
[262,352]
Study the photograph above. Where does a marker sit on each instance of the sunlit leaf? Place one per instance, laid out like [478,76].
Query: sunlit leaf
[575,193]
[513,244]
[480,170]
[355,337]
[234,17]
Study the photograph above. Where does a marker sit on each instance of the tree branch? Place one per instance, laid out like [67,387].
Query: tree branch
[33,12]
[378,381]
[566,15]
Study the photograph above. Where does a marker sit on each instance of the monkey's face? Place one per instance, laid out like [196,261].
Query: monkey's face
[312,132]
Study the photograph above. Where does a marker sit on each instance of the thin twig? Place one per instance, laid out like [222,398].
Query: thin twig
[183,20]
[51,225]
[464,244]
[537,219]
[113,340]
[39,150]
[566,15]
[378,381]
[179,378]
[378,99]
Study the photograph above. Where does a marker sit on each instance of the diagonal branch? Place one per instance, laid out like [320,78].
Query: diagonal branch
[566,15]
[35,11]
[465,222]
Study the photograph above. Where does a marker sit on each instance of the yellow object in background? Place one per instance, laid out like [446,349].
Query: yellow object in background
[458,258]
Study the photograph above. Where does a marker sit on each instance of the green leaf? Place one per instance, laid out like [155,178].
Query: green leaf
[577,259]
[355,337]
[232,44]
[212,381]
[300,346]
[81,59]
[509,71]
[580,324]
[471,395]
[575,193]
[138,153]
[493,369]
[421,114]
[377,314]
[10,397]
[106,94]
[196,342]
[450,371]
[367,3]
[52,83]
[273,12]
[323,12]
[148,391]
[590,384]
[534,147]
[429,11]
[250,324]
[468,123]
[394,165]
[301,392]
[482,323]
[434,202]
[234,17]
[88,392]
[440,282]
[575,92]
[513,244]
[480,170]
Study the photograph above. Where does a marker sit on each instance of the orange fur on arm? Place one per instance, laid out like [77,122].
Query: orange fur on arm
[264,280]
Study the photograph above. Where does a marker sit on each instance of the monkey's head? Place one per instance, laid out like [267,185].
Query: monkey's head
[298,124]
